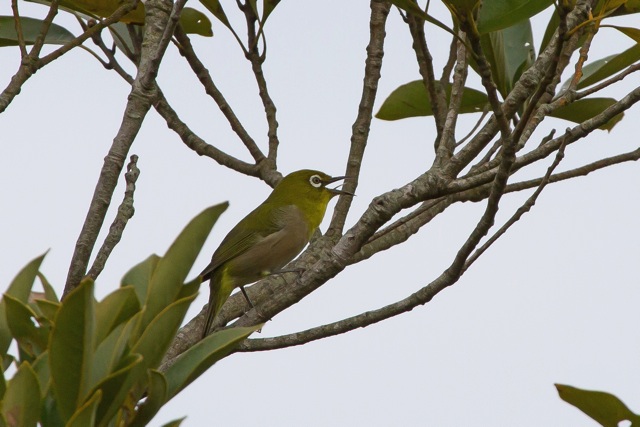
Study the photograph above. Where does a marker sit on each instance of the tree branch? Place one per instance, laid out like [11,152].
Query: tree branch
[158,23]
[125,213]
[186,48]
[362,124]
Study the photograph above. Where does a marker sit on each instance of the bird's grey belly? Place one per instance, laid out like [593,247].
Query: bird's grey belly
[268,256]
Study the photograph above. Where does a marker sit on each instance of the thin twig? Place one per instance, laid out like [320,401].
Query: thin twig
[125,213]
[362,124]
[526,207]
[18,26]
[158,21]
[212,90]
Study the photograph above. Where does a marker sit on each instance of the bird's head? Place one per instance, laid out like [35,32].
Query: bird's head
[307,189]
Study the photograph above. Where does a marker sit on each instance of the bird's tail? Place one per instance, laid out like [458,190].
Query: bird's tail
[220,288]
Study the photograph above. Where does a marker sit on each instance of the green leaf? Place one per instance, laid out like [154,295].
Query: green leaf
[193,362]
[190,288]
[71,348]
[632,33]
[22,398]
[603,407]
[117,307]
[49,292]
[86,414]
[268,7]
[30,30]
[195,22]
[20,289]
[31,339]
[116,387]
[172,269]
[140,276]
[156,397]
[497,15]
[510,52]
[110,352]
[104,9]
[174,423]
[606,67]
[215,8]
[585,109]
[157,337]
[412,100]
[41,368]
[48,309]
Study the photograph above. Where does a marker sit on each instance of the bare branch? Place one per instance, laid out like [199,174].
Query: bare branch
[158,23]
[212,90]
[125,213]
[362,124]
[526,207]
[18,25]
[197,144]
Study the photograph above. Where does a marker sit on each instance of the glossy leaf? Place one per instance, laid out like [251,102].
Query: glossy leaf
[122,38]
[632,33]
[21,398]
[604,68]
[71,348]
[603,407]
[48,309]
[269,6]
[20,289]
[20,318]
[86,414]
[110,352]
[216,9]
[585,109]
[30,30]
[412,100]
[41,368]
[105,8]
[172,269]
[117,386]
[157,337]
[193,362]
[156,397]
[195,22]
[190,288]
[174,423]
[117,307]
[497,15]
[49,292]
[140,276]
[510,52]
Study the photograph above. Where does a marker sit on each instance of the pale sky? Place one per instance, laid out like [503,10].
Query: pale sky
[554,301]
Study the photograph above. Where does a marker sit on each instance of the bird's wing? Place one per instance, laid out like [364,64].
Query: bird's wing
[250,230]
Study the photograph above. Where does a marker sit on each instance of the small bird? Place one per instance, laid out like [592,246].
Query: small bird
[269,237]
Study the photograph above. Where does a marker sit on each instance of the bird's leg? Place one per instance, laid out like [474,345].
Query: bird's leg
[246,296]
[298,270]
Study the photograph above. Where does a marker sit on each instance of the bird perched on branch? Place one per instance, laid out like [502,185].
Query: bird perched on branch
[269,237]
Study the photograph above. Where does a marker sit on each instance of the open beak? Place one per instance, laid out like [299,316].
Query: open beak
[336,191]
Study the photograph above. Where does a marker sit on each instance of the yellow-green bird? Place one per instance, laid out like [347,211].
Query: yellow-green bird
[269,237]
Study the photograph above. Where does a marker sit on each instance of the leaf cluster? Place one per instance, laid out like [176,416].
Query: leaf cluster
[83,362]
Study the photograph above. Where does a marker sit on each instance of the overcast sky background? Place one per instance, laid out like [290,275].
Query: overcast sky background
[554,301]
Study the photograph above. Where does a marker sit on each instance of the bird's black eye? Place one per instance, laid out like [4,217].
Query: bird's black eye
[315,181]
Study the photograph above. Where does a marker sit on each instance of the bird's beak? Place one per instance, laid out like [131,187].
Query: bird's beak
[336,191]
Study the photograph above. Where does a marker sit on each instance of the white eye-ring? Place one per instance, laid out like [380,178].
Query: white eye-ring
[316,181]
